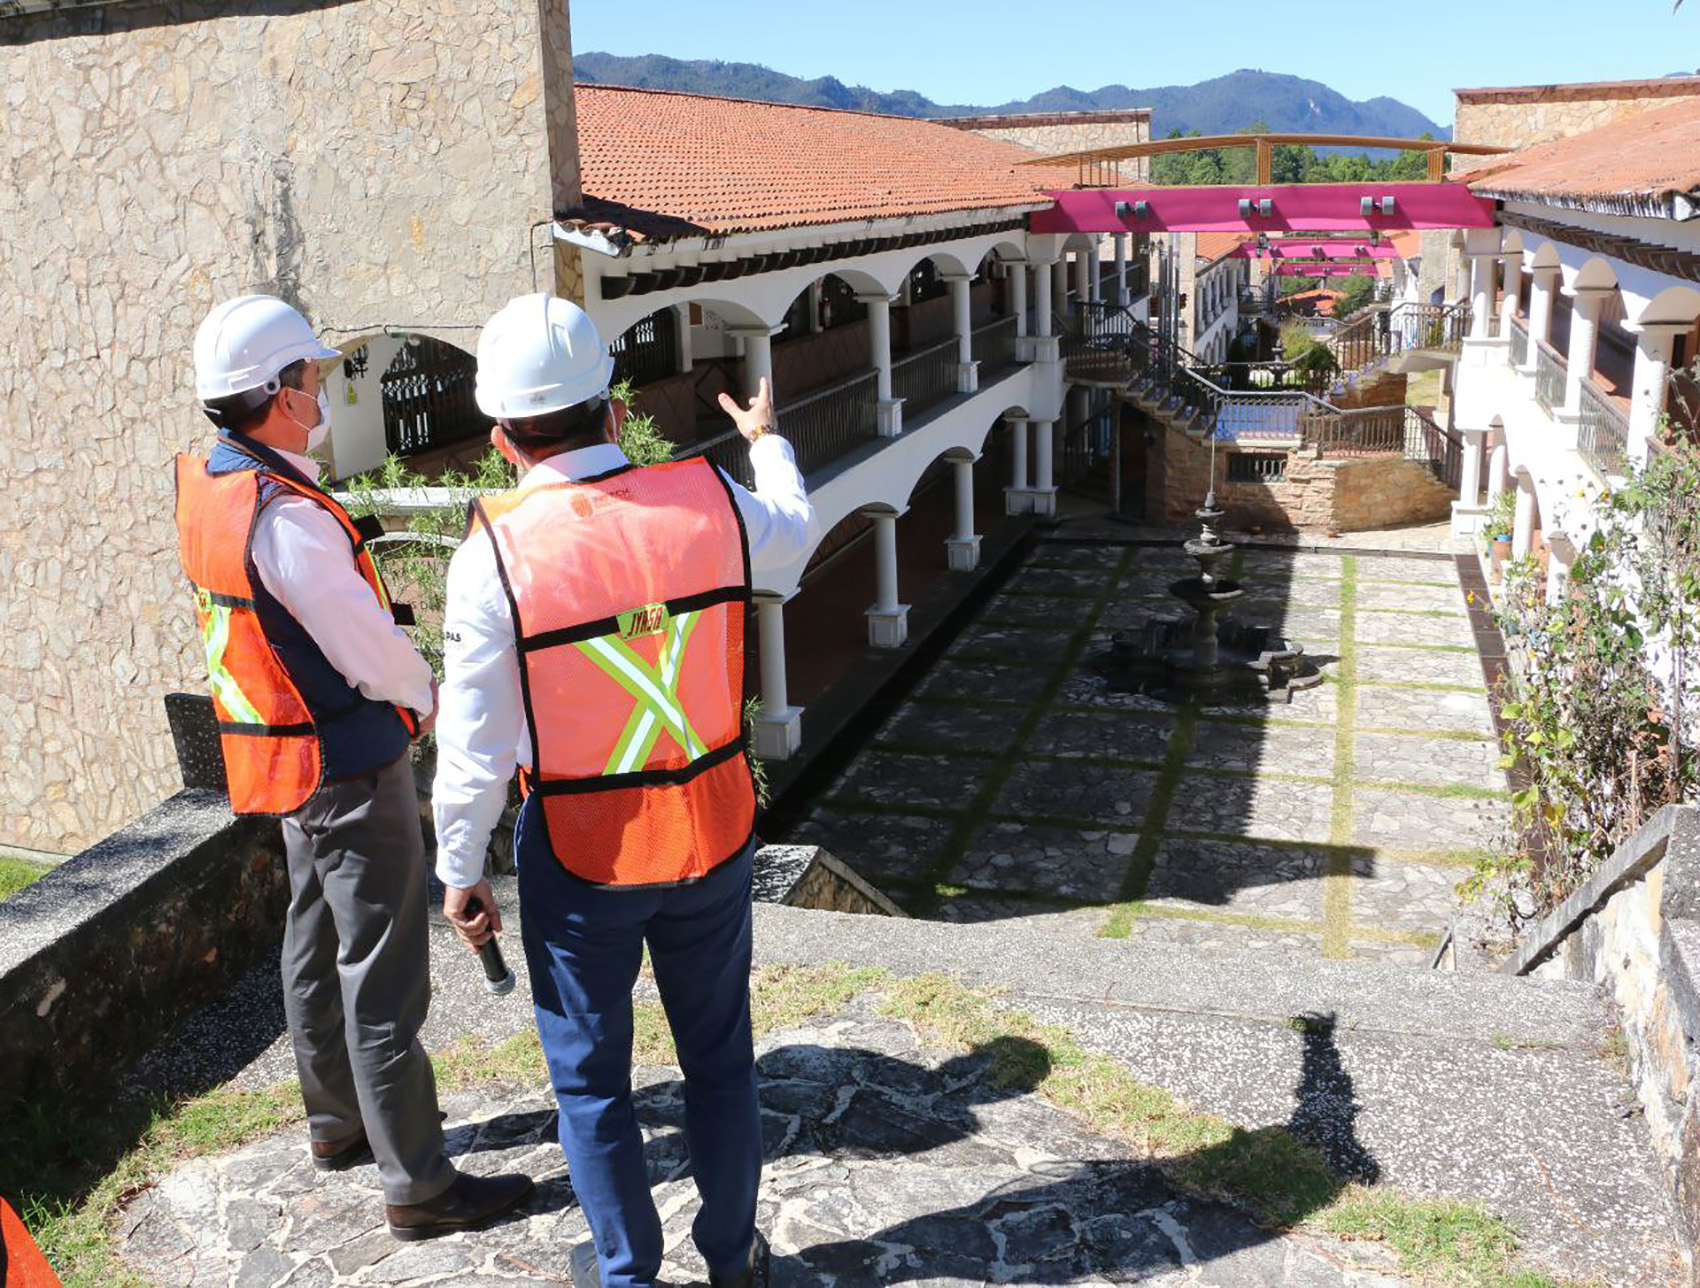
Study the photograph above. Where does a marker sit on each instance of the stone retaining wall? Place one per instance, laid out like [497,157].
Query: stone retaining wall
[375,163]
[103,955]
[1317,494]
[1634,929]
[1052,133]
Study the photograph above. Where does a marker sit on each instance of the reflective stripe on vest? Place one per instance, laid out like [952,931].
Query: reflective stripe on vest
[629,593]
[272,754]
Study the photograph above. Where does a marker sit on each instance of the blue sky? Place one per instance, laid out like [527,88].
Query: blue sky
[992,51]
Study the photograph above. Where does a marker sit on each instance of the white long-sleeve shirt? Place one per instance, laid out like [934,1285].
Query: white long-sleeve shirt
[481,727]
[302,555]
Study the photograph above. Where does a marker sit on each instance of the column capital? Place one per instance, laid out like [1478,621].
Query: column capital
[952,276]
[1658,330]
[875,297]
[1593,295]
[883,511]
[773,598]
[762,332]
[1537,271]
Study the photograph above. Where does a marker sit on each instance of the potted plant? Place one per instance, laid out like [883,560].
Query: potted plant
[1496,528]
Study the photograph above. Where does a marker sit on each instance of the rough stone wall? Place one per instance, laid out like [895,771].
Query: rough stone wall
[1639,939]
[1349,494]
[1522,117]
[372,162]
[1379,389]
[1373,492]
[1052,133]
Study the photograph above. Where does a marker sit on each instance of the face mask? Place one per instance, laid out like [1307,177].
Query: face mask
[316,433]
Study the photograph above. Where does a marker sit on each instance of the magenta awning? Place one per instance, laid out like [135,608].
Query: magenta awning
[1340,248]
[1294,207]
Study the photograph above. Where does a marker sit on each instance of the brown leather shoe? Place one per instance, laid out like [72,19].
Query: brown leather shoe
[465,1204]
[339,1155]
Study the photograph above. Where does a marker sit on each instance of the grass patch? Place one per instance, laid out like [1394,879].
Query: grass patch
[1280,1177]
[15,874]
[1449,791]
[1337,871]
[1120,923]
[1439,735]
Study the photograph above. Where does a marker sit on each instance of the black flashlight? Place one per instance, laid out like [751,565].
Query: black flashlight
[498,979]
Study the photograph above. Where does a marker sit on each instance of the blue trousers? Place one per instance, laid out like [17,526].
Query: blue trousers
[583,947]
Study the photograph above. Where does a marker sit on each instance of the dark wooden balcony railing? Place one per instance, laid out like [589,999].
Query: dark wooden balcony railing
[1602,434]
[994,346]
[925,379]
[1519,342]
[1550,376]
[821,426]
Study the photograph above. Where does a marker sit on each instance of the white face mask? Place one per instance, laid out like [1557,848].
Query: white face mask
[316,433]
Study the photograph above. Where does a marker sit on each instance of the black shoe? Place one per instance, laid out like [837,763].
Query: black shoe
[469,1202]
[339,1155]
[754,1274]
[586,1270]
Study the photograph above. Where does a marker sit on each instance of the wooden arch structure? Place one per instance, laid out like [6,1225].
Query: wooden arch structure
[1098,161]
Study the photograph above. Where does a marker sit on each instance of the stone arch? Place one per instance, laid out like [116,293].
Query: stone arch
[1596,271]
[406,394]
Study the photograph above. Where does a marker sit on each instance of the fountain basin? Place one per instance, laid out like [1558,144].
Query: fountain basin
[1252,663]
[1201,592]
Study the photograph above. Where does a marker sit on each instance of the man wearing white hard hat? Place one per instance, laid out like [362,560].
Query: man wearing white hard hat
[318,694]
[595,639]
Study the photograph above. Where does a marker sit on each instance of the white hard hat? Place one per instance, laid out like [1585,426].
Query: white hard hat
[245,342]
[539,354]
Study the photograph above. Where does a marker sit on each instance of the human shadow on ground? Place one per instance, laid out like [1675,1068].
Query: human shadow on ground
[974,1178]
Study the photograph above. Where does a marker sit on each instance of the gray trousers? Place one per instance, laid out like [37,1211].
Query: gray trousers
[356,978]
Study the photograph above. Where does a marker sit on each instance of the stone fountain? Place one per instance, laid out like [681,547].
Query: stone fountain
[1209,658]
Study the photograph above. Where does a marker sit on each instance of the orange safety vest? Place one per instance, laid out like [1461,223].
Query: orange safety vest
[21,1262]
[273,756]
[628,592]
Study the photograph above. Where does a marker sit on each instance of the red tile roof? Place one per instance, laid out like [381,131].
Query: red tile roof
[1634,165]
[661,165]
[1212,246]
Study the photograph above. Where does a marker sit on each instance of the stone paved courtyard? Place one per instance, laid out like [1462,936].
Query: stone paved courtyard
[1014,783]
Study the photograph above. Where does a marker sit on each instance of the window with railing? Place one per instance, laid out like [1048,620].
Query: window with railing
[1257,467]
[1602,433]
[647,350]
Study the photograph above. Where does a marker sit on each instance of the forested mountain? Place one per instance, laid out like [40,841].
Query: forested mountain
[1220,105]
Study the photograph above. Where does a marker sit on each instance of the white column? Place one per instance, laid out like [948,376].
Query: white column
[963,547]
[1059,283]
[1044,485]
[961,303]
[682,320]
[1523,520]
[1470,486]
[779,727]
[1047,347]
[1499,469]
[1513,287]
[1584,340]
[1653,344]
[888,620]
[1481,294]
[1544,283]
[879,351]
[1017,499]
[758,357]
[1120,240]
[1461,282]
[1018,296]
[1093,268]
[1082,277]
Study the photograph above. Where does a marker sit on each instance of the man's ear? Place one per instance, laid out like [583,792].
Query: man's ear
[499,441]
